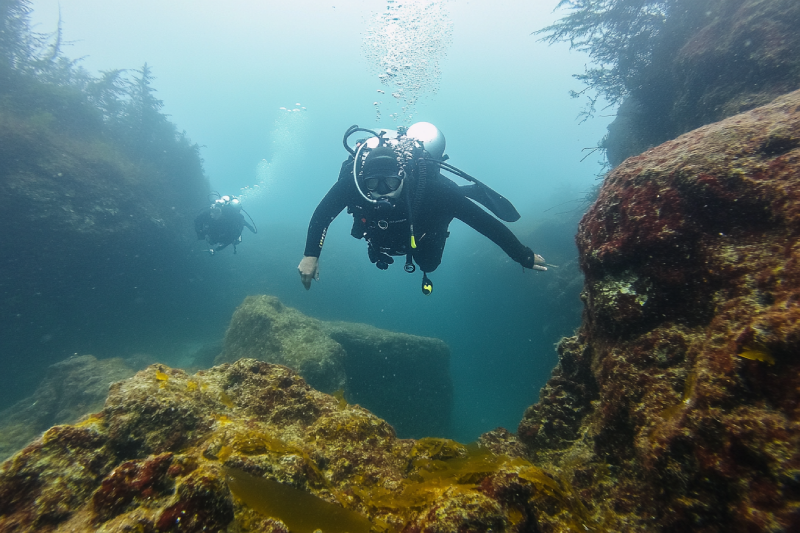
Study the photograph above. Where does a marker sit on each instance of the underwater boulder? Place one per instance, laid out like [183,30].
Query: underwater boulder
[403,378]
[674,408]
[263,328]
[249,446]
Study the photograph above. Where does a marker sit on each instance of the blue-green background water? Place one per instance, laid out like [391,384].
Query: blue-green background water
[224,71]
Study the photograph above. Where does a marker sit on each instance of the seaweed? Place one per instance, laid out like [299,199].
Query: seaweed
[300,511]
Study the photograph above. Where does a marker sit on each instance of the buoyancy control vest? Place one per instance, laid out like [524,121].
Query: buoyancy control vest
[387,224]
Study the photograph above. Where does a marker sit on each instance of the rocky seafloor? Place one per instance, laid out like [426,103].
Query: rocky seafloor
[675,408]
[249,446]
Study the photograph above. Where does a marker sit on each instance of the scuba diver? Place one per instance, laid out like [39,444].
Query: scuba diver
[222,223]
[402,205]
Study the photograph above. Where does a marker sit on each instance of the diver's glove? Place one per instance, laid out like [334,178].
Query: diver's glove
[533,261]
[382,260]
[309,269]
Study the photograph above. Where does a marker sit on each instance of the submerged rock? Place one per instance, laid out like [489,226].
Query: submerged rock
[675,406]
[403,378]
[263,328]
[216,450]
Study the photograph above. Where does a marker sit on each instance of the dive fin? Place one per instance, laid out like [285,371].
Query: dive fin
[491,200]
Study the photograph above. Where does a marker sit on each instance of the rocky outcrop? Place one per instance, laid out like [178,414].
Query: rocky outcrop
[675,407]
[403,378]
[263,328]
[70,390]
[251,447]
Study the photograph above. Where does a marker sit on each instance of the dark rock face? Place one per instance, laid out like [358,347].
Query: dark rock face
[213,451]
[403,378]
[675,407]
[96,245]
[555,422]
[715,58]
[70,390]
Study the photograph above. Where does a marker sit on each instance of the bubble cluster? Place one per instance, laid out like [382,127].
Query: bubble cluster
[288,129]
[297,107]
[404,45]
[262,184]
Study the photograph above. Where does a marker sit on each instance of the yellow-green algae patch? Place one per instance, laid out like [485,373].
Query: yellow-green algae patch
[300,511]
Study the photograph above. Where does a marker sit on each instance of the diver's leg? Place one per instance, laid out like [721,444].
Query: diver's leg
[428,255]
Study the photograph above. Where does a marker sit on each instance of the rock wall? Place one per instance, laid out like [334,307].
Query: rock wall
[675,408]
[714,59]
[97,246]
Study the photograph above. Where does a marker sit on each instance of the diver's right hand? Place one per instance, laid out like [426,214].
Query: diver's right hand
[309,269]
[538,262]
[533,261]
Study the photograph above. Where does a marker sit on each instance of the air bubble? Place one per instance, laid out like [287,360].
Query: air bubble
[404,45]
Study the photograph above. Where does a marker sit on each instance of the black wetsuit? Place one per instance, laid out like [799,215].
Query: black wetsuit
[441,203]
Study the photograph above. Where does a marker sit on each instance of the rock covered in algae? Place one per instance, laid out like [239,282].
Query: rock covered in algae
[263,328]
[177,452]
[69,390]
[403,378]
[675,406]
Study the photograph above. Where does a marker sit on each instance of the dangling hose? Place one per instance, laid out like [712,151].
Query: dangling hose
[419,190]
[253,222]
[356,155]
[351,130]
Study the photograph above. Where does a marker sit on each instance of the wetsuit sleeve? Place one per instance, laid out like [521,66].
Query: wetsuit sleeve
[487,225]
[327,210]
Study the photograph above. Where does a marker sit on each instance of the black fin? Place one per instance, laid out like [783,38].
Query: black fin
[491,200]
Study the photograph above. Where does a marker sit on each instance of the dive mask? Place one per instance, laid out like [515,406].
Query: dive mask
[383,184]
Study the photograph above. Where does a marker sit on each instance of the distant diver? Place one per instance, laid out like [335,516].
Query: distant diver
[402,205]
[221,223]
